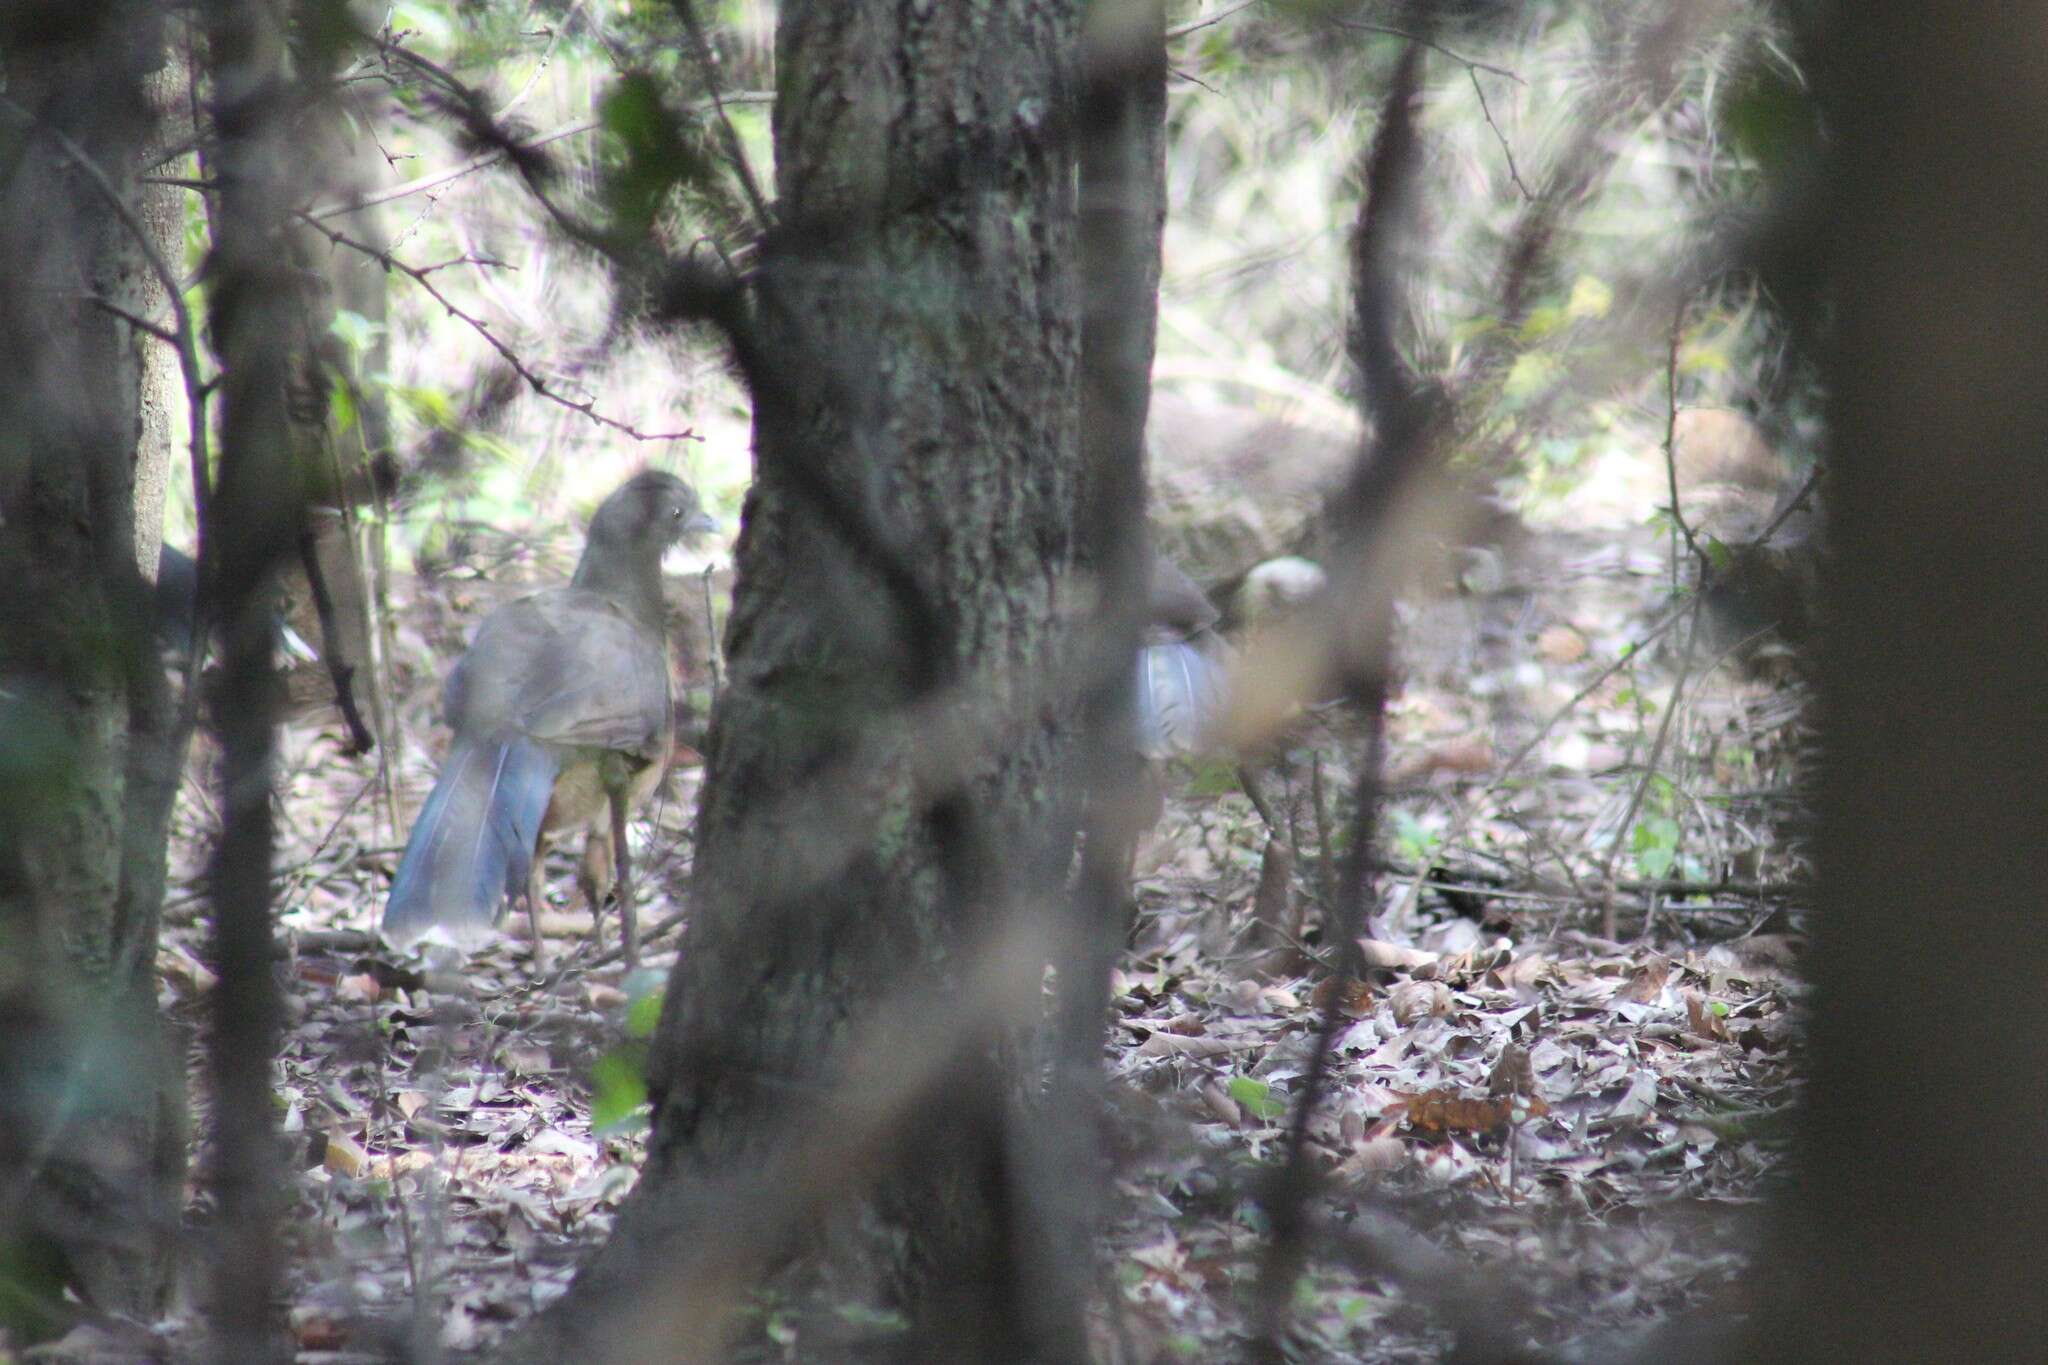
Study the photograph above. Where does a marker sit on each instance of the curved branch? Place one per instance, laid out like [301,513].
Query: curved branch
[534,381]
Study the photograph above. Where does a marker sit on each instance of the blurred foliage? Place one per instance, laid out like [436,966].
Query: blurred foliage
[619,1079]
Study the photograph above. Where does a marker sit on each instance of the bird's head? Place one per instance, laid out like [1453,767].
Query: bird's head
[651,511]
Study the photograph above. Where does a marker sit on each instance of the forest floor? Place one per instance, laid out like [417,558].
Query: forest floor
[1551,1110]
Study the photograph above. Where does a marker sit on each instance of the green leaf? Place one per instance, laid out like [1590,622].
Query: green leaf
[1416,841]
[1655,845]
[871,1318]
[354,331]
[621,1093]
[1257,1097]
[341,406]
[1705,358]
[643,1014]
[1770,118]
[1543,320]
[1529,377]
[1212,777]
[1590,298]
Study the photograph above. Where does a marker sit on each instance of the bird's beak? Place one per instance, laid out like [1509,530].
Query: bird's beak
[701,523]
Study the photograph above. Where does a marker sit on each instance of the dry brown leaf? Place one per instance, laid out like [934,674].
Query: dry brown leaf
[174,962]
[1446,1111]
[1701,1019]
[1392,956]
[360,989]
[1279,999]
[1561,644]
[1221,1106]
[603,998]
[1454,757]
[526,1059]
[1374,1156]
[345,1156]
[1641,1100]
[1522,971]
[1645,985]
[1413,1000]
[1174,1045]
[318,1329]
[1353,997]
[1512,1074]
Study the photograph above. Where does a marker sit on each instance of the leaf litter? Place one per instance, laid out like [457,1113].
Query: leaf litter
[1590,1121]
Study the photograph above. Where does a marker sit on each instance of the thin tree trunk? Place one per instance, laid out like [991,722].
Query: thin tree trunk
[1121,129]
[248,531]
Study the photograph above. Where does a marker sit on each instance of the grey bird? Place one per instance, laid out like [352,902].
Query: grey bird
[563,720]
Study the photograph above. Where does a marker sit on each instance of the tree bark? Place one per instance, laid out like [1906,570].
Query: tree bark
[1914,1229]
[256,321]
[91,1137]
[836,1066]
[1121,135]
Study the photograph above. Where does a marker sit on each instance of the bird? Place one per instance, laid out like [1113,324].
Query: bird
[1182,666]
[563,720]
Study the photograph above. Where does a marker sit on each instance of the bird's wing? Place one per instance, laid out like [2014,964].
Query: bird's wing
[565,667]
[1180,695]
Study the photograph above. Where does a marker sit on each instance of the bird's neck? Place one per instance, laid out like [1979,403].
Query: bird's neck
[632,581]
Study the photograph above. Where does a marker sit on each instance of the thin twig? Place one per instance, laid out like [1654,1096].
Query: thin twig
[547,55]
[1183,30]
[588,406]
[140,324]
[441,177]
[707,64]
[1649,774]
[1470,63]
[1692,544]
[1499,136]
[1471,811]
[711,636]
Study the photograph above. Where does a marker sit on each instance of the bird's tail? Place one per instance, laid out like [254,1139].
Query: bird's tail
[1180,698]
[473,842]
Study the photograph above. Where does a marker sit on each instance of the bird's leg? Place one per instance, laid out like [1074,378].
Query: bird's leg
[594,879]
[629,928]
[534,890]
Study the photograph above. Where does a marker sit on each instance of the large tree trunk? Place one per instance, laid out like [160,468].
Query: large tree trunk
[91,1137]
[882,769]
[1915,1231]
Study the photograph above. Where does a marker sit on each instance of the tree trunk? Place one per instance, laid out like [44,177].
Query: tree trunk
[1915,1229]
[91,1138]
[882,768]
[1121,132]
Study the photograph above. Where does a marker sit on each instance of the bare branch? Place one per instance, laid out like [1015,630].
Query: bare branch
[140,324]
[534,381]
[1501,137]
[184,335]
[1192,25]
[1471,63]
[442,177]
[701,48]
[1692,544]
